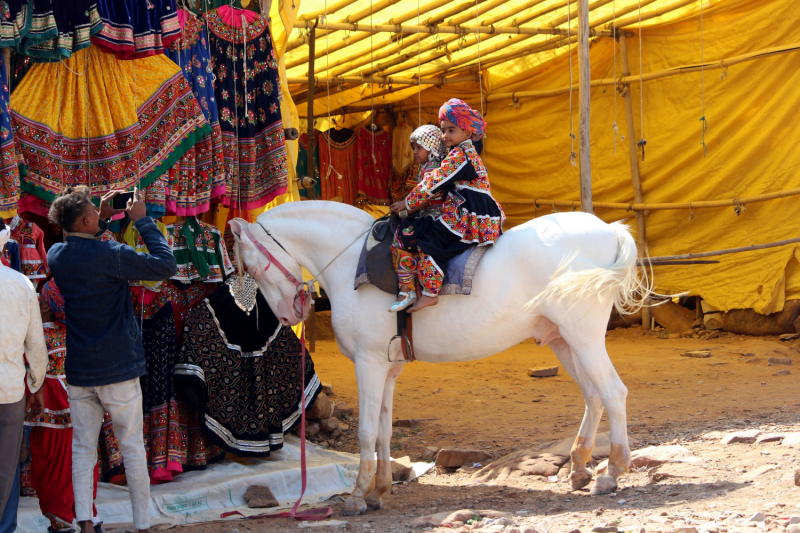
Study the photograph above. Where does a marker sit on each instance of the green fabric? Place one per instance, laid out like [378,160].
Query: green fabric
[302,169]
[191,228]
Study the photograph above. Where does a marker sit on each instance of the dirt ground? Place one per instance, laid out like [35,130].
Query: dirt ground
[493,405]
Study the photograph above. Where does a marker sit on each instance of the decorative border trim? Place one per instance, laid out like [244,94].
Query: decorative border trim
[258,353]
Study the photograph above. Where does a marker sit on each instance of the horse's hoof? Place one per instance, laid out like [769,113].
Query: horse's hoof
[374,503]
[578,480]
[353,506]
[604,485]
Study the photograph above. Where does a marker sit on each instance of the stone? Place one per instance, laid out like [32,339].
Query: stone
[521,463]
[676,471]
[454,457]
[797,477]
[713,321]
[794,528]
[631,525]
[448,517]
[605,529]
[405,423]
[779,361]
[429,454]
[327,388]
[770,437]
[336,433]
[259,496]
[792,440]
[710,335]
[653,456]
[709,527]
[674,336]
[543,372]
[790,336]
[329,424]
[741,437]
[784,372]
[757,471]
[528,529]
[402,470]
[697,353]
[673,317]
[687,334]
[602,446]
[312,428]
[323,408]
[794,519]
[685,529]
[757,517]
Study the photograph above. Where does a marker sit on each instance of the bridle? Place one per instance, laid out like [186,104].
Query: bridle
[304,288]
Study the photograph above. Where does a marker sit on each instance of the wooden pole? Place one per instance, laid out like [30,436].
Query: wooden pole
[383,80]
[443,28]
[584,107]
[633,156]
[310,143]
[727,251]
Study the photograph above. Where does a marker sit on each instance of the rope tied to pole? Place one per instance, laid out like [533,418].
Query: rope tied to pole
[573,157]
[738,206]
[703,84]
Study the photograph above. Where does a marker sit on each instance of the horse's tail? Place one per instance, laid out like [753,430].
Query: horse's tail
[622,277]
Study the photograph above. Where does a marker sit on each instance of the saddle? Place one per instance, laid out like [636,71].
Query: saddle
[380,266]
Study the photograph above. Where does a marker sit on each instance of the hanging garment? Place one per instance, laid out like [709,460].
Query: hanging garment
[156,195]
[374,159]
[15,22]
[163,441]
[247,90]
[302,166]
[142,118]
[132,238]
[200,252]
[183,297]
[402,183]
[133,29]
[402,154]
[32,255]
[242,372]
[58,29]
[9,169]
[10,256]
[337,165]
[199,176]
[50,472]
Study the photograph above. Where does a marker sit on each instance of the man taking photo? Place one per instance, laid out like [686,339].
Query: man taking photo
[105,357]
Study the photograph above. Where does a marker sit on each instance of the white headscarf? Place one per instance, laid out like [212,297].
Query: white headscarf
[430,138]
[4,236]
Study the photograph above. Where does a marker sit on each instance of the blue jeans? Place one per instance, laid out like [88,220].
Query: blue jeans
[8,522]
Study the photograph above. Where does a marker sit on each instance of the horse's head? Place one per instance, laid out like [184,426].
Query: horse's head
[282,294]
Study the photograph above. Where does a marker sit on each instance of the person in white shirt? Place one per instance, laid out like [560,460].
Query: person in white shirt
[21,339]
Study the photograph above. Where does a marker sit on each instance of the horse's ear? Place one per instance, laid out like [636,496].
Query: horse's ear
[237,227]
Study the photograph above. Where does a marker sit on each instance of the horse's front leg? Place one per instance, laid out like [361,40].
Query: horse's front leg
[383,476]
[371,377]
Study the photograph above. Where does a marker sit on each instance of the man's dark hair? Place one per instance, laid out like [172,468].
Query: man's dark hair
[69,207]
[2,224]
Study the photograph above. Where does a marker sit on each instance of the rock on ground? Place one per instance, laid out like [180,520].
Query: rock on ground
[454,457]
[602,446]
[323,408]
[448,517]
[260,496]
[653,456]
[676,470]
[742,437]
[543,372]
[523,463]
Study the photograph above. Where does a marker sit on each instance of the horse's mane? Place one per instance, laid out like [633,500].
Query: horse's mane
[310,209]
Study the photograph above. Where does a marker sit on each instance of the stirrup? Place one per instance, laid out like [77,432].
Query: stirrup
[408,300]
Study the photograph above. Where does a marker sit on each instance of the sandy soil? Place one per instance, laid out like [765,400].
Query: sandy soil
[493,405]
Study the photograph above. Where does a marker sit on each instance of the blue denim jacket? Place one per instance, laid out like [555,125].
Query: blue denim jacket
[104,342]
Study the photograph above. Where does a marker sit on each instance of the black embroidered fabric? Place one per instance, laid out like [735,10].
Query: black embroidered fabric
[251,334]
[245,403]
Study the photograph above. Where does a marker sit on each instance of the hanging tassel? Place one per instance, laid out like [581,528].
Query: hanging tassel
[641,144]
[703,136]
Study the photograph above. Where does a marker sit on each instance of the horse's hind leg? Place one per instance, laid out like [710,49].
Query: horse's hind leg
[587,340]
[383,476]
[581,452]
[371,377]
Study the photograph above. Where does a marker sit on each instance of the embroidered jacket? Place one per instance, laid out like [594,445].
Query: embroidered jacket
[469,210]
[30,238]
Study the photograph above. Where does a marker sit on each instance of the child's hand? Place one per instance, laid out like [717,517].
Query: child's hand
[397,207]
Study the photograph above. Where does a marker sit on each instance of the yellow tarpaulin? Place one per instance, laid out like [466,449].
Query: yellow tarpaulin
[751,109]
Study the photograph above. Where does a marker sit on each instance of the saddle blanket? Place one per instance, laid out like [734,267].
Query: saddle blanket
[457,276]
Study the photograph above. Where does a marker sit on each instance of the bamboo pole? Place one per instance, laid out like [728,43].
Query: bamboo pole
[736,203]
[332,9]
[625,80]
[321,67]
[442,28]
[311,140]
[383,80]
[634,19]
[633,155]
[440,69]
[727,251]
[584,107]
[355,17]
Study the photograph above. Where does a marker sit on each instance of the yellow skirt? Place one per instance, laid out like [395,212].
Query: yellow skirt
[99,121]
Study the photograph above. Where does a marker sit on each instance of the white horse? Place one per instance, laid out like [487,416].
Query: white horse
[554,278]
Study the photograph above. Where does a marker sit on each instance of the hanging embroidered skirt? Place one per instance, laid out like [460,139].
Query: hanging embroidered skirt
[140,115]
[9,169]
[249,112]
[199,176]
[58,29]
[134,29]
[374,160]
[15,22]
[242,373]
